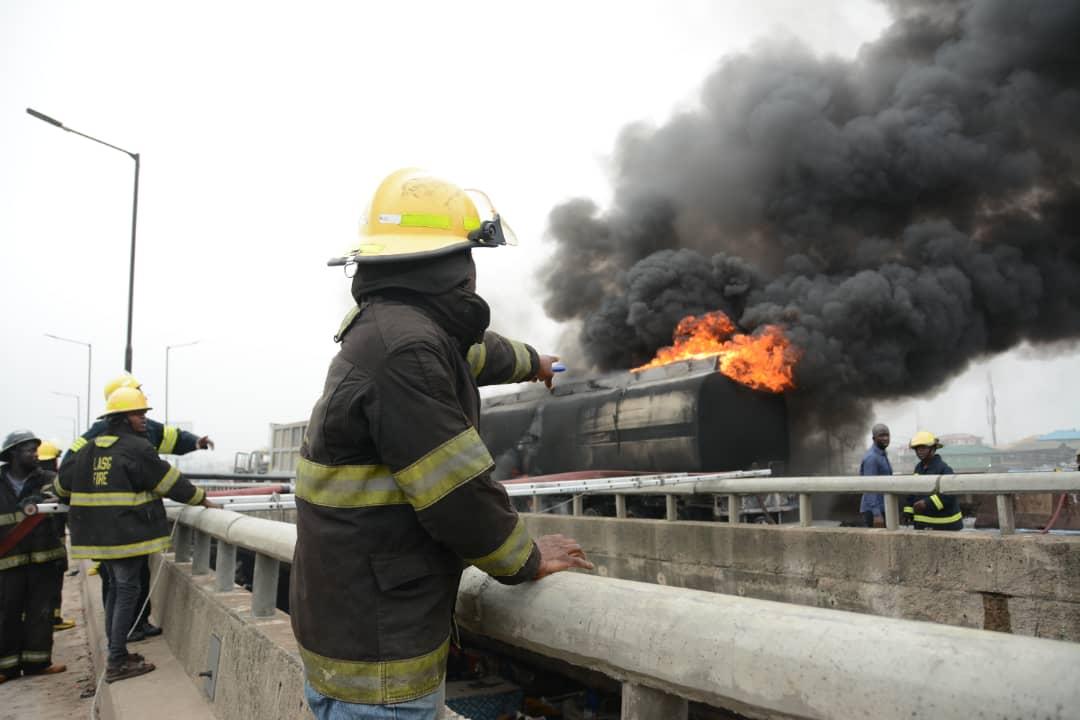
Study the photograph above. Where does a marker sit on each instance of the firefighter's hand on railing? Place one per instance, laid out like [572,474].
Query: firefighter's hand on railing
[205,443]
[558,553]
[208,503]
[549,365]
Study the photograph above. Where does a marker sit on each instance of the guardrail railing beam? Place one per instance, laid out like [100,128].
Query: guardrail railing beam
[225,571]
[892,511]
[182,545]
[806,510]
[200,561]
[264,586]
[1006,514]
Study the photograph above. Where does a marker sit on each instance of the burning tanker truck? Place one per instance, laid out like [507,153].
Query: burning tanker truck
[713,401]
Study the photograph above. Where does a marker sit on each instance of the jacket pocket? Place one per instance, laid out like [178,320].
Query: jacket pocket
[399,574]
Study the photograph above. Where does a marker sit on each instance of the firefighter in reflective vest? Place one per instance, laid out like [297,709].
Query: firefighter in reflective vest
[393,490]
[28,566]
[114,486]
[168,440]
[48,455]
[936,511]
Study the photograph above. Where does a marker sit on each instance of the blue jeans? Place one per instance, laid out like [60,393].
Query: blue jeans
[428,707]
[121,603]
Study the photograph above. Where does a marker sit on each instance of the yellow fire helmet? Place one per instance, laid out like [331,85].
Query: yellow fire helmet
[925,438]
[125,400]
[125,380]
[415,215]
[48,450]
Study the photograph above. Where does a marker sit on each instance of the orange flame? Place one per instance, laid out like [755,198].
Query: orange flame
[764,361]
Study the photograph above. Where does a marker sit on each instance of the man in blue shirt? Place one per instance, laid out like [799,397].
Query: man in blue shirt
[875,462]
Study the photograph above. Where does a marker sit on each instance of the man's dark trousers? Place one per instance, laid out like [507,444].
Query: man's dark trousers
[121,603]
[26,618]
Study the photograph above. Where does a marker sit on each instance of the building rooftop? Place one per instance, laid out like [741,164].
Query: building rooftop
[1060,436]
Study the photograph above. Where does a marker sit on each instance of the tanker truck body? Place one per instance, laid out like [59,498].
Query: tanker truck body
[682,417]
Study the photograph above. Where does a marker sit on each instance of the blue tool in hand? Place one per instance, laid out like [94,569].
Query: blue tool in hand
[558,367]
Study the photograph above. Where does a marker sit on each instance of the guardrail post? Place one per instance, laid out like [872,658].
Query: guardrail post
[226,566]
[671,509]
[1006,516]
[620,506]
[264,586]
[644,703]
[535,503]
[806,510]
[200,563]
[182,546]
[579,505]
[733,508]
[892,512]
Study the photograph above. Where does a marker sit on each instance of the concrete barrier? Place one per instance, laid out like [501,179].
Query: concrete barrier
[1024,584]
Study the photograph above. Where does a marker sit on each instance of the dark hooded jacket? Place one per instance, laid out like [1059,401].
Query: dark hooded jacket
[393,490]
[40,545]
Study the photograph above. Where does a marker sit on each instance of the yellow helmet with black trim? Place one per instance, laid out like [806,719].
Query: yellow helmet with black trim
[924,438]
[126,400]
[415,215]
[125,380]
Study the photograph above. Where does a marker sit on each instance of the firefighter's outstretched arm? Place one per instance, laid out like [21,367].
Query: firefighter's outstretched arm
[443,469]
[500,360]
[164,480]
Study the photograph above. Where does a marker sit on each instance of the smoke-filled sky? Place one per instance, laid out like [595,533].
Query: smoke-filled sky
[263,127]
[901,213]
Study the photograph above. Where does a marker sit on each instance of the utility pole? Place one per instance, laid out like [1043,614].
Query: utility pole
[991,408]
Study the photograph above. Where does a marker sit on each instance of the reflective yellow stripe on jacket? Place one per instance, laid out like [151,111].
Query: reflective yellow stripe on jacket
[60,491]
[522,361]
[939,520]
[110,499]
[937,502]
[11,518]
[477,358]
[437,474]
[13,561]
[168,440]
[78,444]
[510,557]
[113,552]
[347,486]
[376,682]
[167,481]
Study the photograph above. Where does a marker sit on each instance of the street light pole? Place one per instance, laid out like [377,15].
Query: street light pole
[74,431]
[78,405]
[89,366]
[167,349]
[134,217]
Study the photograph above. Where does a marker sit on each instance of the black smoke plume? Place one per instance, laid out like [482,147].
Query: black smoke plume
[900,214]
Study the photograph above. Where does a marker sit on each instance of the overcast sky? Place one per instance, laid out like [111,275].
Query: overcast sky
[263,127]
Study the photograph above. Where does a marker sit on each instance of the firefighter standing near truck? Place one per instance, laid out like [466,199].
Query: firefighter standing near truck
[168,440]
[114,486]
[936,511]
[28,566]
[393,490]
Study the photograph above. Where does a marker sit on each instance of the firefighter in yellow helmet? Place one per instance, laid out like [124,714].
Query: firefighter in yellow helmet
[168,440]
[936,511]
[114,487]
[393,490]
[48,454]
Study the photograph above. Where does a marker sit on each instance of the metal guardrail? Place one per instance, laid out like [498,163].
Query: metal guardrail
[668,645]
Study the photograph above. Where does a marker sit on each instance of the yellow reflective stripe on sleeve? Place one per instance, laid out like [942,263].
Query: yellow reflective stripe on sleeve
[35,656]
[167,481]
[937,502]
[909,509]
[957,517]
[378,682]
[522,361]
[9,661]
[114,552]
[510,557]
[11,518]
[13,561]
[78,445]
[198,497]
[48,555]
[105,441]
[477,358]
[441,471]
[59,488]
[110,499]
[168,440]
[347,486]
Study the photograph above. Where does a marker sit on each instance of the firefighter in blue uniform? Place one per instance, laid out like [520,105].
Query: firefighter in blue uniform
[937,511]
[28,565]
[168,440]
